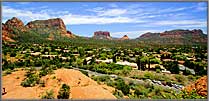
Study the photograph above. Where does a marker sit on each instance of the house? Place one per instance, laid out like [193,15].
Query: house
[182,68]
[134,65]
[105,61]
[35,54]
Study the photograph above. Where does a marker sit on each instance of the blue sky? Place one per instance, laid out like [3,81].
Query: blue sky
[119,18]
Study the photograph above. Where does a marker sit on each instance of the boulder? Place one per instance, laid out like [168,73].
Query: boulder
[199,85]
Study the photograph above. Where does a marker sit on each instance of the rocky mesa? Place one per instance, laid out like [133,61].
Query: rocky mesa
[50,26]
[178,36]
[102,35]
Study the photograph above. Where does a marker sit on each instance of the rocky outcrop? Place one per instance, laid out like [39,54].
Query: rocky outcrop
[102,35]
[180,33]
[200,86]
[9,26]
[176,36]
[174,33]
[125,37]
[50,26]
[15,22]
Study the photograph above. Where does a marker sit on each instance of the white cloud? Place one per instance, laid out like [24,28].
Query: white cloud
[108,16]
[201,6]
[25,15]
[181,22]
[100,11]
[113,5]
[23,3]
[68,18]
[83,19]
[112,12]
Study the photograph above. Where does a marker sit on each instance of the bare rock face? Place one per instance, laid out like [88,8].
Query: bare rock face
[125,37]
[8,28]
[50,26]
[177,36]
[180,33]
[174,33]
[102,35]
[200,86]
[15,22]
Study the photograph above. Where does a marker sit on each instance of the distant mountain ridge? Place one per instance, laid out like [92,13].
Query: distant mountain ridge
[178,36]
[54,29]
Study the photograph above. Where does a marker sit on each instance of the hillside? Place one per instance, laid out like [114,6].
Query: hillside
[51,29]
[54,30]
[81,87]
[180,37]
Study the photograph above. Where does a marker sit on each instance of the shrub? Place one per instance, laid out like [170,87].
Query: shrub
[84,72]
[158,70]
[190,95]
[42,83]
[157,67]
[8,71]
[118,94]
[64,92]
[148,75]
[180,78]
[30,81]
[48,95]
[45,70]
[140,90]
[54,77]
[172,67]
[13,54]
[120,84]
[186,72]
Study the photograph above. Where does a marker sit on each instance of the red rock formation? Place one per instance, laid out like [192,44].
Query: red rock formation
[15,22]
[125,37]
[177,36]
[200,86]
[146,35]
[51,25]
[7,28]
[102,35]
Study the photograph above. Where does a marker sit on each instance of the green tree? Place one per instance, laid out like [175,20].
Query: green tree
[172,67]
[84,62]
[138,62]
[64,92]
[114,59]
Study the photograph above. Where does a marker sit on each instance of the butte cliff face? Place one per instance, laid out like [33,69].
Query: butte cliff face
[102,35]
[176,37]
[51,26]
